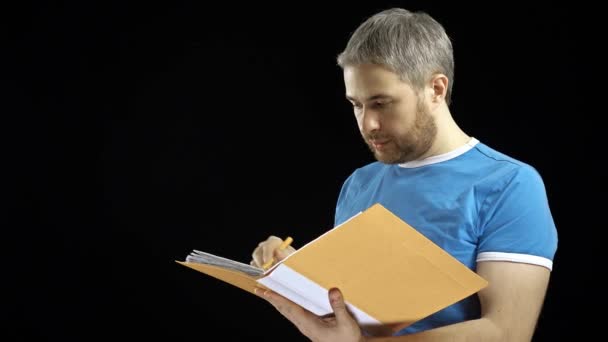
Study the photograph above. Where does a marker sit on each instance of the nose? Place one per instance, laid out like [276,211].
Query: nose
[370,120]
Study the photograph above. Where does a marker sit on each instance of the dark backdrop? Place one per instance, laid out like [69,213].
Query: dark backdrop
[137,132]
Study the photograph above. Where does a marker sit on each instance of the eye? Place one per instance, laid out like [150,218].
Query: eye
[381,104]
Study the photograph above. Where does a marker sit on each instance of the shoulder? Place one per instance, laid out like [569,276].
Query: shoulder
[503,170]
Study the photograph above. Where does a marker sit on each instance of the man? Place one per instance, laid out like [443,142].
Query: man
[485,208]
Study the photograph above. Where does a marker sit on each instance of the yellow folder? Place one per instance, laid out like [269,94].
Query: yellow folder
[389,273]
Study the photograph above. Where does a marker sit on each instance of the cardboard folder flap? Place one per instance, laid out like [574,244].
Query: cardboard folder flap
[385,268]
[236,278]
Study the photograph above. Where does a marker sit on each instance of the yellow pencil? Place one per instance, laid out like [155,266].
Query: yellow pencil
[283,245]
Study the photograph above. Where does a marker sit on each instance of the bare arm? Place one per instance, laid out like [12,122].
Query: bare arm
[510,307]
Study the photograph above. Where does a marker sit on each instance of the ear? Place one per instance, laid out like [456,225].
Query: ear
[438,87]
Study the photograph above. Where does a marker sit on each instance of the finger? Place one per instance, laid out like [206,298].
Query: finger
[257,256]
[269,247]
[282,254]
[303,319]
[259,291]
[273,237]
[337,304]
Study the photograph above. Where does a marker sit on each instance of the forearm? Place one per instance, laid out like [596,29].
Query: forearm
[475,330]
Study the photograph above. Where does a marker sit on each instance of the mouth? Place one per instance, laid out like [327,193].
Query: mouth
[379,144]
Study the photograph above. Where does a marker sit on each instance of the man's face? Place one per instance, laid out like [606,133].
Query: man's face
[393,119]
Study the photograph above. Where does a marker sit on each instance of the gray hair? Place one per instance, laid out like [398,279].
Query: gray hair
[411,44]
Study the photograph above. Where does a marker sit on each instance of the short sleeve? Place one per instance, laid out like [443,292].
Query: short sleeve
[341,212]
[515,221]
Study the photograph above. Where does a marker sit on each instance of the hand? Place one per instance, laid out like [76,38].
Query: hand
[339,327]
[268,249]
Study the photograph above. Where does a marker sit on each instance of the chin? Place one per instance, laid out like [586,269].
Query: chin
[389,156]
[386,159]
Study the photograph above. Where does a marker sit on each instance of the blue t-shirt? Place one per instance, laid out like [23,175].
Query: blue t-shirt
[475,202]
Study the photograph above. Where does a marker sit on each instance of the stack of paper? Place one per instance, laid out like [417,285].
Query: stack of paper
[210,259]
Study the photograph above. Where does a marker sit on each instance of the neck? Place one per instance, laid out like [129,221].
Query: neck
[449,135]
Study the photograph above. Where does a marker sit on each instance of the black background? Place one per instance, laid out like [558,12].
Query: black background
[137,132]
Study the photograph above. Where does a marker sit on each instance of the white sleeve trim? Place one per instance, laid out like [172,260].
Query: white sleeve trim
[515,257]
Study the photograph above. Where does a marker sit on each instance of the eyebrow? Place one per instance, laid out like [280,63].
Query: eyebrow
[371,98]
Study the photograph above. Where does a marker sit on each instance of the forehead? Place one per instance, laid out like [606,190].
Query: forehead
[367,80]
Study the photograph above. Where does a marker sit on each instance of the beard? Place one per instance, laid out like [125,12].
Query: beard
[402,149]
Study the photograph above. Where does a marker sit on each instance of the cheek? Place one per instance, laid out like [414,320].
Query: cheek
[359,120]
[401,117]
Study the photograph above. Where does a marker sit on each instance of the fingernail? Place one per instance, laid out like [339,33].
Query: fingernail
[334,294]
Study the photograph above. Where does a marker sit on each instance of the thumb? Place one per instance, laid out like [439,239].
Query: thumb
[337,304]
